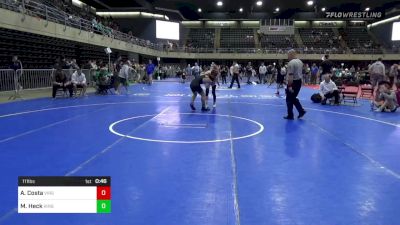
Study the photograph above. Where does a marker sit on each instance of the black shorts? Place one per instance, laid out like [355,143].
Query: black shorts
[123,81]
[196,89]
[79,86]
[280,79]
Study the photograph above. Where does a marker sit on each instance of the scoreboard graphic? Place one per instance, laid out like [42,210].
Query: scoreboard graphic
[64,194]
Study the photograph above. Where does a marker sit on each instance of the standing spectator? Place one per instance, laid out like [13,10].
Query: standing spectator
[377,74]
[280,77]
[307,74]
[326,67]
[249,69]
[188,71]
[393,73]
[235,70]
[314,73]
[16,65]
[78,80]
[328,89]
[352,70]
[294,77]
[224,74]
[123,76]
[261,73]
[196,70]
[150,68]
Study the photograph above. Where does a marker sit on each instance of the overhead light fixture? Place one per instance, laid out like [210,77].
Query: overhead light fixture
[277,9]
[384,21]
[310,3]
[219,3]
[118,14]
[323,9]
[199,10]
[259,3]
[241,10]
[367,9]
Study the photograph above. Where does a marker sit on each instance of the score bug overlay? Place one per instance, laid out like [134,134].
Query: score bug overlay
[46,194]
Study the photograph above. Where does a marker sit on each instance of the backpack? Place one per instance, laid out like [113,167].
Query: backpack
[316,98]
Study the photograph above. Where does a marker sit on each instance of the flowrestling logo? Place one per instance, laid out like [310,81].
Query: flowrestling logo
[354,15]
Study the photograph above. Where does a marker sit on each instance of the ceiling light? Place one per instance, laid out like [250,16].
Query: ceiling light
[277,9]
[310,3]
[241,10]
[367,9]
[219,3]
[259,3]
[323,9]
[199,10]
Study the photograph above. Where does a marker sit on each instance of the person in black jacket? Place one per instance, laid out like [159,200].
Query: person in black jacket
[61,81]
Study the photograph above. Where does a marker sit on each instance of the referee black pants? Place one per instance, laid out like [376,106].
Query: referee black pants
[235,77]
[291,98]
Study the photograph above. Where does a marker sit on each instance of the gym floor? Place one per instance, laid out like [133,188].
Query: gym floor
[240,163]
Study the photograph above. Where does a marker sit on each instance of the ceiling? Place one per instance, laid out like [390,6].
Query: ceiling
[230,8]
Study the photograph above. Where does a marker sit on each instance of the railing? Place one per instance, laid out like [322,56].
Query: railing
[11,80]
[49,13]
[52,14]
[7,80]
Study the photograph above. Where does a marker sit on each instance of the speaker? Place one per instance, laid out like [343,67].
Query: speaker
[108,50]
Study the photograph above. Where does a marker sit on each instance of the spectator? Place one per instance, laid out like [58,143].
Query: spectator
[352,70]
[224,73]
[150,69]
[61,81]
[16,64]
[328,89]
[326,67]
[377,74]
[123,76]
[249,69]
[188,70]
[261,73]
[196,70]
[78,80]
[386,101]
[314,73]
[393,73]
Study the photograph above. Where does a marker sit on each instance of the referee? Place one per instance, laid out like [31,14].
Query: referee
[294,76]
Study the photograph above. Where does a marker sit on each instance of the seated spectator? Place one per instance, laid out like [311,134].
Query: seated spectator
[328,90]
[78,80]
[386,101]
[61,81]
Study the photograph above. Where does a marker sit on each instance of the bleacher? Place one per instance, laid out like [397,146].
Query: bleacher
[40,52]
[319,38]
[359,41]
[278,41]
[237,38]
[201,38]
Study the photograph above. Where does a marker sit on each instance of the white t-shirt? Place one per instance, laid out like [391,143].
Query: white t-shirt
[325,88]
[124,71]
[262,70]
[78,79]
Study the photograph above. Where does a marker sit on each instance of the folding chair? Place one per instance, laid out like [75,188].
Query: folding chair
[350,93]
[367,91]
